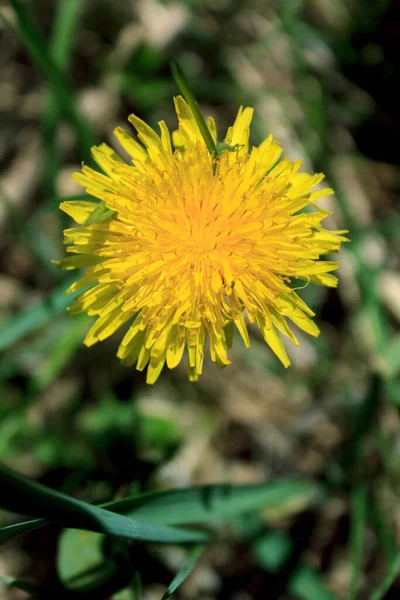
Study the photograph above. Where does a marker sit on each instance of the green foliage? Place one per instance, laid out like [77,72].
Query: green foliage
[358,522]
[35,317]
[76,418]
[78,551]
[214,502]
[69,512]
[186,92]
[11,531]
[391,576]
[30,36]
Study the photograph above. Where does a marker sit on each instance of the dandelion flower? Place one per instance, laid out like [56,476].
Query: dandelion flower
[194,245]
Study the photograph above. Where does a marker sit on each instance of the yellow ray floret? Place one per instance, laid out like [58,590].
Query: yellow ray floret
[197,244]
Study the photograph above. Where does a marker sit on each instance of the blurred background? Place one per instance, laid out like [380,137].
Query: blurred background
[322,76]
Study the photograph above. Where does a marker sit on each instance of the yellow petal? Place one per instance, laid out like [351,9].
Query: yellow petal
[239,134]
[273,340]
[131,146]
[175,348]
[146,134]
[79,210]
[155,367]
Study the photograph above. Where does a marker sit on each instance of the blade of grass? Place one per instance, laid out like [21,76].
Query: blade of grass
[65,25]
[31,235]
[109,583]
[68,13]
[184,572]
[384,533]
[391,576]
[19,494]
[391,356]
[36,591]
[358,500]
[371,306]
[211,502]
[63,349]
[34,317]
[32,39]
[11,531]
[186,92]
[363,424]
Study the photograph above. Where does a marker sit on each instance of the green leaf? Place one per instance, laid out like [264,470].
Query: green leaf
[78,553]
[379,520]
[90,567]
[65,25]
[32,39]
[26,586]
[391,576]
[101,214]
[391,356]
[186,92]
[67,341]
[363,423]
[211,502]
[357,527]
[11,531]
[36,316]
[184,572]
[27,497]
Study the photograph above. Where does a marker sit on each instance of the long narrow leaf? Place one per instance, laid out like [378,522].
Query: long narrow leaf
[391,576]
[184,572]
[27,497]
[66,21]
[35,316]
[32,39]
[36,591]
[357,527]
[11,531]
[183,86]
[211,502]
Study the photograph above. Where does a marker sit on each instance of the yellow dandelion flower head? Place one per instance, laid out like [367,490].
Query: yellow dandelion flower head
[194,245]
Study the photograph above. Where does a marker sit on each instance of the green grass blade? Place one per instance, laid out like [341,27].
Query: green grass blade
[184,572]
[36,591]
[34,317]
[391,576]
[68,13]
[27,497]
[62,350]
[391,356]
[211,502]
[33,41]
[65,25]
[101,214]
[379,520]
[357,527]
[11,531]
[186,92]
[363,424]
[30,234]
